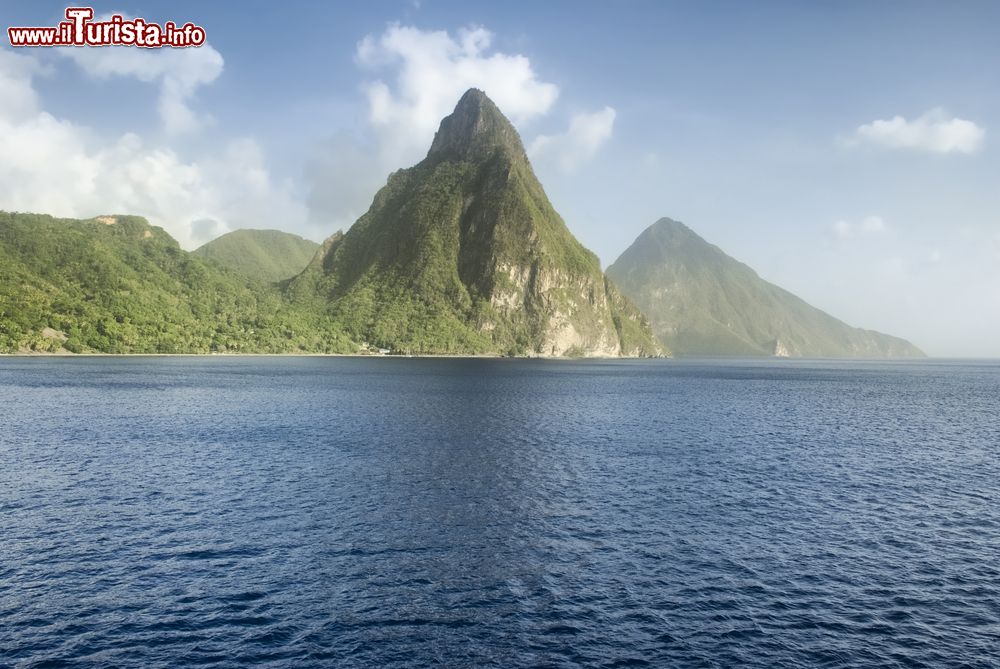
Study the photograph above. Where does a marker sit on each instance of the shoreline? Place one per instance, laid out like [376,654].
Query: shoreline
[447,356]
[321,355]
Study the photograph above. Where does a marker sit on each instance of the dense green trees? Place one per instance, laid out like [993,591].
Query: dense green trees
[118,285]
[269,255]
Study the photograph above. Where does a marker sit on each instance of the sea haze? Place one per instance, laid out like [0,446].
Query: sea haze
[397,512]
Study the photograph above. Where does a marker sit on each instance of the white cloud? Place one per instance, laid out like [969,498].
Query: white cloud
[933,132]
[413,79]
[869,225]
[20,100]
[585,135]
[417,77]
[55,166]
[179,73]
[432,70]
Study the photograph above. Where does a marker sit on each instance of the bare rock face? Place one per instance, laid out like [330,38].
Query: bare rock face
[463,253]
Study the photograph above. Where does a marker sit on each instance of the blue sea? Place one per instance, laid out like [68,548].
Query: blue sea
[386,512]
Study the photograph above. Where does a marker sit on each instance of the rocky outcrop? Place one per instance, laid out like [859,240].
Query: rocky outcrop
[463,253]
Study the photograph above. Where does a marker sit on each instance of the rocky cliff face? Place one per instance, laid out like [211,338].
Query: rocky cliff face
[463,253]
[700,301]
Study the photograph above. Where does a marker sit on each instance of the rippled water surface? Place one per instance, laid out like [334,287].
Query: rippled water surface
[404,512]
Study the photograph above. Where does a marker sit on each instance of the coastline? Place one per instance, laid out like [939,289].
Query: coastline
[322,355]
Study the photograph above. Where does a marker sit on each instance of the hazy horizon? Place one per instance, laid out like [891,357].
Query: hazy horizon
[844,152]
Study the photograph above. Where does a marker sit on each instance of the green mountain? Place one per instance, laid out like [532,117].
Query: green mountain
[115,284]
[463,253]
[700,301]
[270,255]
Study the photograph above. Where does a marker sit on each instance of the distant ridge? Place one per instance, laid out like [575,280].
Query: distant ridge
[700,301]
[270,255]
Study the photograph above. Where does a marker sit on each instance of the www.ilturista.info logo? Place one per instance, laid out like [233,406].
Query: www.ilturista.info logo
[79,29]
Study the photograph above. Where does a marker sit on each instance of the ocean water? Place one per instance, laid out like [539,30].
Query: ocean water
[234,512]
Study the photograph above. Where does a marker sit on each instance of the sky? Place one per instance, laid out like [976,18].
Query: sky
[847,151]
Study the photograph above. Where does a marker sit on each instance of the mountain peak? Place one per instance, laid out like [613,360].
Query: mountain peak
[667,233]
[700,301]
[464,253]
[474,98]
[475,129]
[669,227]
